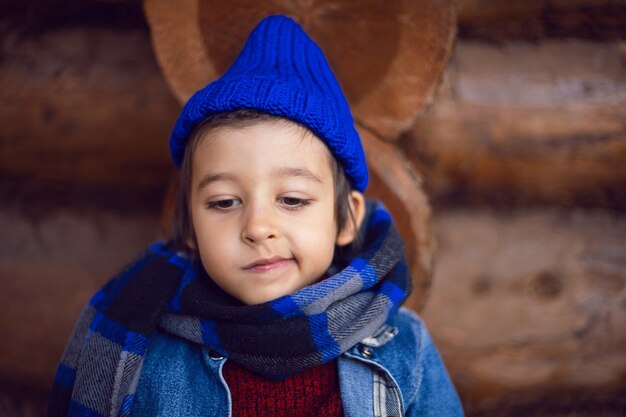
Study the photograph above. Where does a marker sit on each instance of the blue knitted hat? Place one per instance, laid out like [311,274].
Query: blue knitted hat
[281,71]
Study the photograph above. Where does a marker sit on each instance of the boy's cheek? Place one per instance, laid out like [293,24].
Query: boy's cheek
[215,261]
[207,222]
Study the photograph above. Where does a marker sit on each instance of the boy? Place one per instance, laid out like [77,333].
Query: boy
[280,291]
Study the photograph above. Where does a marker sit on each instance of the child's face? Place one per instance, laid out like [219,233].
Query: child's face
[263,210]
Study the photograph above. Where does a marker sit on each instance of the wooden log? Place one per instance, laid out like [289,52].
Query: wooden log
[399,186]
[529,305]
[388,57]
[85,109]
[495,20]
[519,124]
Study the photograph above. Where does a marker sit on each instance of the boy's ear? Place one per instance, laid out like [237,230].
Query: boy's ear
[356,201]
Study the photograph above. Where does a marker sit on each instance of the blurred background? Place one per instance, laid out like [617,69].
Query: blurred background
[495,131]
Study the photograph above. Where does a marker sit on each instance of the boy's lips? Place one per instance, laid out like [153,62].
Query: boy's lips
[268,264]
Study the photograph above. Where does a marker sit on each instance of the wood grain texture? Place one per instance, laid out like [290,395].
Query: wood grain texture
[500,21]
[84,107]
[527,124]
[530,305]
[388,57]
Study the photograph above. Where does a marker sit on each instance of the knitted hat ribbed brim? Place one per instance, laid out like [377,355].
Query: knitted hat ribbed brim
[282,72]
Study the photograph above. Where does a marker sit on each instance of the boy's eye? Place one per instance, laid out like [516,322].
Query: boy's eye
[224,204]
[294,201]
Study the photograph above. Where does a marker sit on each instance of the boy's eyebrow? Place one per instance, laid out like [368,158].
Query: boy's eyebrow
[283,172]
[298,172]
[209,178]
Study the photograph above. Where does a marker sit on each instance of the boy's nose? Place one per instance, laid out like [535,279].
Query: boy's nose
[260,225]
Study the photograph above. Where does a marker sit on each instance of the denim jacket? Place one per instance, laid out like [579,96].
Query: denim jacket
[395,372]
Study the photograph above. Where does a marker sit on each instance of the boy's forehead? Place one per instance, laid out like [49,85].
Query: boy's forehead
[293,142]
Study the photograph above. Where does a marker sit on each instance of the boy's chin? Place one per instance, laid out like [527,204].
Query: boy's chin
[262,297]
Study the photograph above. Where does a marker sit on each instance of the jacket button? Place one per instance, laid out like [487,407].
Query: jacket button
[366,351]
[215,355]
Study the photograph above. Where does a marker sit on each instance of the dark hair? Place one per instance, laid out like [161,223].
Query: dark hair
[183,232]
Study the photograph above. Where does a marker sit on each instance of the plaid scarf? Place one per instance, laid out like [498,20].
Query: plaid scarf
[100,368]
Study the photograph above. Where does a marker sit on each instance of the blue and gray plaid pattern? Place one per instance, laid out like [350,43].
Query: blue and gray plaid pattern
[100,368]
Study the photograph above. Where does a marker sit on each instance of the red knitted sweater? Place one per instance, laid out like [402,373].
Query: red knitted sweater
[314,392]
